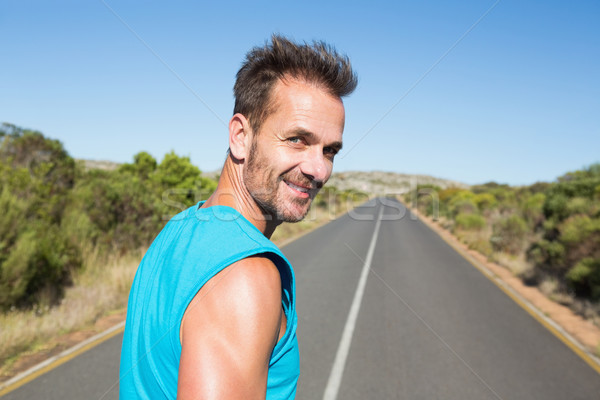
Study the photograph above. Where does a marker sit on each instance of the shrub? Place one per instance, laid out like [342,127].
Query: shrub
[38,267]
[556,206]
[579,205]
[426,205]
[533,208]
[547,254]
[465,206]
[508,234]
[446,194]
[483,246]
[52,211]
[79,228]
[470,222]
[461,203]
[578,228]
[485,201]
[176,171]
[426,197]
[143,165]
[506,197]
[584,278]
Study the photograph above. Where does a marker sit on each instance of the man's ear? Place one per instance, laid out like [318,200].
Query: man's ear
[240,136]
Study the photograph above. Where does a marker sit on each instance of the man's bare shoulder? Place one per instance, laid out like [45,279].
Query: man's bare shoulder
[252,278]
[247,291]
[229,331]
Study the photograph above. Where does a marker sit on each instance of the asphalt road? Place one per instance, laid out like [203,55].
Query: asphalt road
[429,325]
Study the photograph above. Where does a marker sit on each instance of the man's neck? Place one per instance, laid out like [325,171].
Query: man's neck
[232,192]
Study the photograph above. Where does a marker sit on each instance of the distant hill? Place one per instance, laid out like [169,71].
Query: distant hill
[372,182]
[379,182]
[99,164]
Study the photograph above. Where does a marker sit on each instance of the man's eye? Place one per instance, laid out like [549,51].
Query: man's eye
[330,152]
[294,140]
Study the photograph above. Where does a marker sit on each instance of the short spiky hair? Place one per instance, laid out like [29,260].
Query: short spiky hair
[317,63]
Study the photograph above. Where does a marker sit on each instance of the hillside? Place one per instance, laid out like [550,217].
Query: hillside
[98,164]
[381,183]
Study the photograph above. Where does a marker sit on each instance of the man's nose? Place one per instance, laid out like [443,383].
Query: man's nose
[316,166]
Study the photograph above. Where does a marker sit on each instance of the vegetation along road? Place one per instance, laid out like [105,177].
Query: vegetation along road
[387,310]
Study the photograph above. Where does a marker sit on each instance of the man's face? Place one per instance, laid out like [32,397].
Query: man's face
[291,157]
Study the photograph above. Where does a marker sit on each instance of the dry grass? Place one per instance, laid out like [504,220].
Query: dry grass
[100,288]
[517,264]
[550,287]
[478,240]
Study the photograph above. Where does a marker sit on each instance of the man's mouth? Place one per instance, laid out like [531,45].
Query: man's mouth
[298,188]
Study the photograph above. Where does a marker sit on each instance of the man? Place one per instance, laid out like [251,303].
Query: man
[211,311]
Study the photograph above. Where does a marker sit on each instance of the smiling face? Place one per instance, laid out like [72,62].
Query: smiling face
[291,157]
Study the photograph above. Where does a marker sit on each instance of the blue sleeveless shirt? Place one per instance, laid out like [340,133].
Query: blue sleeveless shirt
[195,245]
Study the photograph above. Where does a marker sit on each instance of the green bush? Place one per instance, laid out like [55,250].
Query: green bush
[143,165]
[36,258]
[584,187]
[38,267]
[114,211]
[533,209]
[584,278]
[579,205]
[426,197]
[52,210]
[462,204]
[79,228]
[470,222]
[483,246]
[548,255]
[579,228]
[485,201]
[427,204]
[508,234]
[555,206]
[506,197]
[176,171]
[465,206]
[446,194]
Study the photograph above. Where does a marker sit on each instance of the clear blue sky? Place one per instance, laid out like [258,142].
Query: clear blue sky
[516,100]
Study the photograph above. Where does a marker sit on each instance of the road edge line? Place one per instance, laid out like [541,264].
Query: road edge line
[47,365]
[558,331]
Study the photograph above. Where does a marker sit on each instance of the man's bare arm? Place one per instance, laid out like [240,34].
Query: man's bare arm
[229,331]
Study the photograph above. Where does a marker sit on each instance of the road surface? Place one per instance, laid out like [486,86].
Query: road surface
[426,325]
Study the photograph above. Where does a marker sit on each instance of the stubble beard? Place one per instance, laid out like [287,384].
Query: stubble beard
[263,186]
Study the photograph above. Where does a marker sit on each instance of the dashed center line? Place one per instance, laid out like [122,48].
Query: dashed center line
[337,371]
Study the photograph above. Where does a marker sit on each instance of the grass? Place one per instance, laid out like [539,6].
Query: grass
[517,264]
[99,289]
[478,240]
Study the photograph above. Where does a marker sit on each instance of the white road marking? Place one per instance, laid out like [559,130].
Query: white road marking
[335,376]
